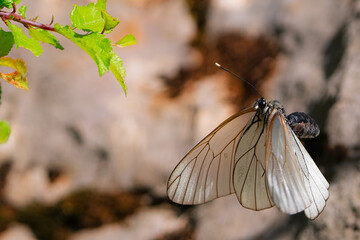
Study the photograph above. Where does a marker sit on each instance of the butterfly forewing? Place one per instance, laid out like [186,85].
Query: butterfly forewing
[249,172]
[313,179]
[295,182]
[286,184]
[205,173]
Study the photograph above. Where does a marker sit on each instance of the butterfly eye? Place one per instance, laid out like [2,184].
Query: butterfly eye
[261,102]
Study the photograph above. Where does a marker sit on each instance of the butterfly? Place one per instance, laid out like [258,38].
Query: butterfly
[263,162]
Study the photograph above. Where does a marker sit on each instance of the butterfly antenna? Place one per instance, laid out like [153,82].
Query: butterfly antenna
[242,79]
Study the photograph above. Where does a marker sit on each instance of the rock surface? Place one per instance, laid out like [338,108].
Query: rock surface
[16,232]
[147,224]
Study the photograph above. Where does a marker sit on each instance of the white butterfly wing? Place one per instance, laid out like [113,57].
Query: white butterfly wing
[249,172]
[206,172]
[284,176]
[295,182]
[313,178]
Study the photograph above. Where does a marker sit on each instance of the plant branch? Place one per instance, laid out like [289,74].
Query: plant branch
[26,22]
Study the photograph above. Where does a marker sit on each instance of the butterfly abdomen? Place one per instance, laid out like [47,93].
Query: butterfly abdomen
[303,125]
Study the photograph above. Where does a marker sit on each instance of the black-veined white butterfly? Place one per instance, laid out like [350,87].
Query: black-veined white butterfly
[263,163]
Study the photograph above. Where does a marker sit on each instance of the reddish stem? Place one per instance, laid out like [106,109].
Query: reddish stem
[14,7]
[26,22]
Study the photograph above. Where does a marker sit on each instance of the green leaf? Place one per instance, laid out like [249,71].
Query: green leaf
[116,67]
[111,22]
[127,40]
[5,131]
[93,18]
[21,40]
[45,37]
[18,77]
[6,42]
[8,3]
[95,44]
[101,4]
[87,18]
[22,11]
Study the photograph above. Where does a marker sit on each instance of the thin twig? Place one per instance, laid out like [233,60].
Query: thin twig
[52,20]
[14,7]
[26,22]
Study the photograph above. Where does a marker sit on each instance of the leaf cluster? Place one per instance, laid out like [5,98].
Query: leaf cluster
[89,26]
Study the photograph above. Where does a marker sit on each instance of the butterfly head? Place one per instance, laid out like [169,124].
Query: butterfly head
[260,103]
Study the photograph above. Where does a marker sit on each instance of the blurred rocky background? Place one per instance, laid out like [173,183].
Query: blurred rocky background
[86,162]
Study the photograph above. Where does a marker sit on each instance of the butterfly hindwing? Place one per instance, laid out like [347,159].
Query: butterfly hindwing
[249,172]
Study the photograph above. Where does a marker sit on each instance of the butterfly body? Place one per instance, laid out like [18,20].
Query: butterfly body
[261,161]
